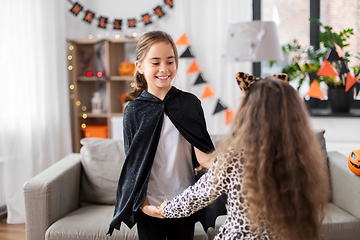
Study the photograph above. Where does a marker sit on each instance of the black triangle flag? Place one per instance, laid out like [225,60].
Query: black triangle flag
[344,67]
[312,76]
[219,107]
[199,80]
[332,55]
[187,54]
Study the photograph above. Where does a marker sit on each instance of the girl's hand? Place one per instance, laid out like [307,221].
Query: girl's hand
[151,210]
[163,204]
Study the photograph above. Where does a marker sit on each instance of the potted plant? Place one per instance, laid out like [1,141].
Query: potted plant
[305,62]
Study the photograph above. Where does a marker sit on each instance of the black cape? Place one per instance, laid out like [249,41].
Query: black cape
[143,118]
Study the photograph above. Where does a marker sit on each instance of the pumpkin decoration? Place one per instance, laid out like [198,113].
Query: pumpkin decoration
[354,161]
[126,69]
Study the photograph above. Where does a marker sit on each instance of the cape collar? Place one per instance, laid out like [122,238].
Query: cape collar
[146,96]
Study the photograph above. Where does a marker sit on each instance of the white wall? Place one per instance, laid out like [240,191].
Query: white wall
[342,134]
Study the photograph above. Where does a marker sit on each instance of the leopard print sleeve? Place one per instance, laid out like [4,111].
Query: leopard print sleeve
[195,197]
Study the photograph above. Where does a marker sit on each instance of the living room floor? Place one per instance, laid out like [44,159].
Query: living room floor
[11,231]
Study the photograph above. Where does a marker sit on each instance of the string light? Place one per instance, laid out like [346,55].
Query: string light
[72,87]
[71,47]
[70,67]
[99,35]
[72,96]
[83,108]
[84,116]
[134,34]
[132,84]
[83,125]
[117,36]
[107,33]
[90,36]
[70,57]
[78,103]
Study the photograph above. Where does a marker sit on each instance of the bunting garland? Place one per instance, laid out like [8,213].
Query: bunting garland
[208,91]
[145,18]
[315,90]
[326,69]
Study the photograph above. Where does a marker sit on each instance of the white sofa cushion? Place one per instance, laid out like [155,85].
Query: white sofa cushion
[102,161]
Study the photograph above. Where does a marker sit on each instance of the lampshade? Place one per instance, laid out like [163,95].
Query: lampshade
[254,41]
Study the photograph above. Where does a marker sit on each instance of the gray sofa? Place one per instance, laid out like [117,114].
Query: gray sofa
[73,199]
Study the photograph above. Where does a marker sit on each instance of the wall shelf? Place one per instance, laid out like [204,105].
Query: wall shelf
[85,58]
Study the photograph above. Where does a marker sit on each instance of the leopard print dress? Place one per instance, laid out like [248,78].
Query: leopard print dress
[204,192]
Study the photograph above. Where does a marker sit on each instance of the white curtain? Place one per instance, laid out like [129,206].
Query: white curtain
[206,24]
[34,105]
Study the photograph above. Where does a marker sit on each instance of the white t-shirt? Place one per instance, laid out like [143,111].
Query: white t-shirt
[172,170]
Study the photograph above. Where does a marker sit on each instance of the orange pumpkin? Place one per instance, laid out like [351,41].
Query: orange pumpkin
[354,161]
[126,69]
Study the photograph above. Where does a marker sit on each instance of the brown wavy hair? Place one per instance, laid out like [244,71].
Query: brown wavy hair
[143,46]
[286,175]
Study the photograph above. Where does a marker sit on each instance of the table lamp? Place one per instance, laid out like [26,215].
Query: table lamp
[254,41]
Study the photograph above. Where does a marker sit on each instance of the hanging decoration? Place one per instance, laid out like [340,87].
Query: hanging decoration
[194,67]
[183,40]
[219,107]
[229,114]
[327,70]
[208,91]
[199,79]
[344,67]
[187,54]
[145,18]
[339,50]
[350,81]
[315,90]
[332,55]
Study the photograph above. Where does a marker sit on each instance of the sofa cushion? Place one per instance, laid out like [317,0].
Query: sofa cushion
[345,184]
[338,224]
[102,161]
[92,222]
[320,137]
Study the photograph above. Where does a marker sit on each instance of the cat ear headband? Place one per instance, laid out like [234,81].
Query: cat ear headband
[245,81]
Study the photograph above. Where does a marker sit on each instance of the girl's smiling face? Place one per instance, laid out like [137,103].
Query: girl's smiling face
[158,68]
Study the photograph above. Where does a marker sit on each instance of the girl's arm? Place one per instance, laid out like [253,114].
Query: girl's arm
[194,198]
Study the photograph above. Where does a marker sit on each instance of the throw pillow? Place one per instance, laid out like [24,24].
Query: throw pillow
[102,160]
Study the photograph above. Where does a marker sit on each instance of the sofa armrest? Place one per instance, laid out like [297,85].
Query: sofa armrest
[345,184]
[51,194]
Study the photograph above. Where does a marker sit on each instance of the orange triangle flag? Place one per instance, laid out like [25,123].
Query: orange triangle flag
[194,67]
[326,70]
[229,115]
[183,40]
[208,92]
[339,51]
[315,90]
[350,80]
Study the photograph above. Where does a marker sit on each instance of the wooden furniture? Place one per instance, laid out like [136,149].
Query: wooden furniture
[93,66]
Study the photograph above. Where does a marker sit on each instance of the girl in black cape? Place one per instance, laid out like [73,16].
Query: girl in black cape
[165,138]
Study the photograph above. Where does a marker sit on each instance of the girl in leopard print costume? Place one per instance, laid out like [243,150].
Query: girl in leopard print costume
[270,166]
